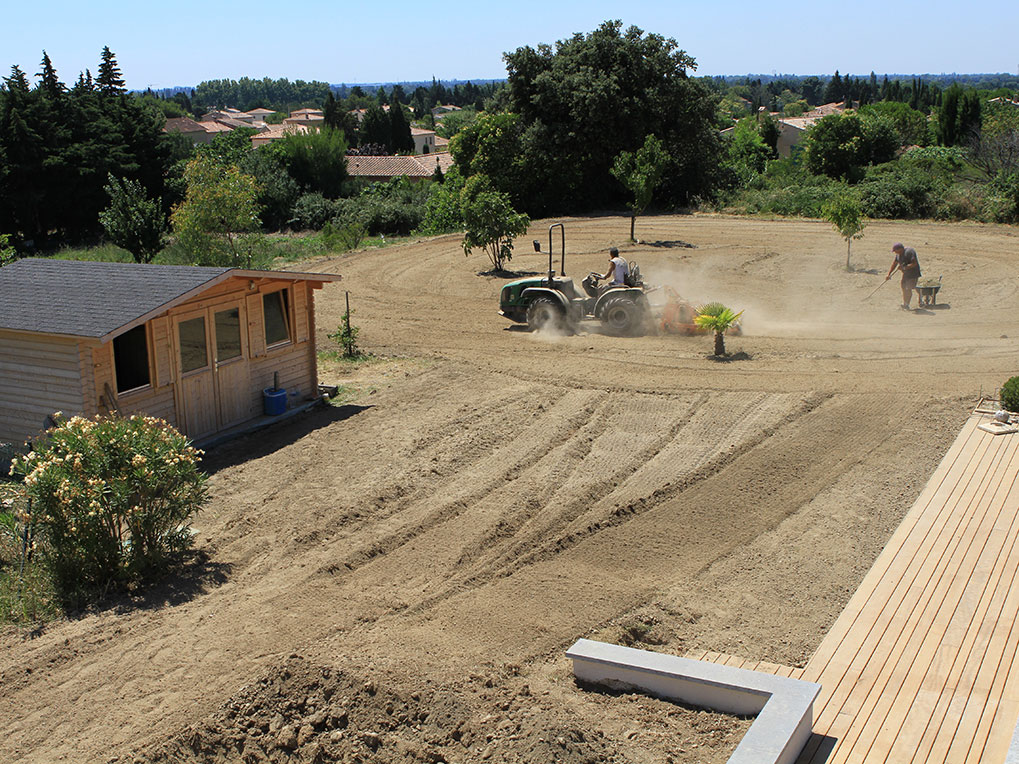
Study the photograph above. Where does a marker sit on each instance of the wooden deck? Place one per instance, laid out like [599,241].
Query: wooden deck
[920,666]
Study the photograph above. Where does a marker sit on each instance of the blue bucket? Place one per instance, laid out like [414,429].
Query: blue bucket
[274,402]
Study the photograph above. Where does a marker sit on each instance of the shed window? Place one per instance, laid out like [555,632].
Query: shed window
[194,348]
[276,307]
[131,359]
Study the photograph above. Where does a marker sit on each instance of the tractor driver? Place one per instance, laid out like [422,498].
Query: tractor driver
[618,269]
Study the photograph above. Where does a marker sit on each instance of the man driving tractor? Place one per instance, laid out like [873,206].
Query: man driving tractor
[618,269]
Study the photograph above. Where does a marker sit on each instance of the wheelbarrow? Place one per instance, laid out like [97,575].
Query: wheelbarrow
[927,291]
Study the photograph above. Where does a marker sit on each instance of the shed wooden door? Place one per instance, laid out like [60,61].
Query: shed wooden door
[233,396]
[212,360]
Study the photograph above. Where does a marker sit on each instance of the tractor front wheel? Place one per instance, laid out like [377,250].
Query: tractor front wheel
[623,315]
[544,313]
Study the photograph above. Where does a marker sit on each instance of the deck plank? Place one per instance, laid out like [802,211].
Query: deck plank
[920,666]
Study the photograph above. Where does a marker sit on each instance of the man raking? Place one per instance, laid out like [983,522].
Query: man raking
[907,262]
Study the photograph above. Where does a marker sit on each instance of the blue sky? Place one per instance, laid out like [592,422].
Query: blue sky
[185,42]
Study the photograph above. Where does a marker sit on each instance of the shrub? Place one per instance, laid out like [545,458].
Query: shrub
[382,215]
[899,193]
[1002,203]
[113,496]
[1010,394]
[312,211]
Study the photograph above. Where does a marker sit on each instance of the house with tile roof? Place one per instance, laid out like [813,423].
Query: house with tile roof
[193,346]
[188,127]
[424,140]
[387,168]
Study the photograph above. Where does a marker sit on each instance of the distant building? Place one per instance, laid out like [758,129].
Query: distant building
[193,130]
[386,168]
[424,140]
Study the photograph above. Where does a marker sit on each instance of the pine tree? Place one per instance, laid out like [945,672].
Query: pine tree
[48,76]
[109,81]
[17,82]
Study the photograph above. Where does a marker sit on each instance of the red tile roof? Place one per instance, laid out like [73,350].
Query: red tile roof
[182,125]
[422,166]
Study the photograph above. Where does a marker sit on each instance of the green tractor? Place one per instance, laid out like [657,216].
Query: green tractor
[553,302]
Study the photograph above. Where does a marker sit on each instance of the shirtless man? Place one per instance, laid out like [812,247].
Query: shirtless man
[905,261]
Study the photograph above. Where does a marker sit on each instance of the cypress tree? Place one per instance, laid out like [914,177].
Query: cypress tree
[399,127]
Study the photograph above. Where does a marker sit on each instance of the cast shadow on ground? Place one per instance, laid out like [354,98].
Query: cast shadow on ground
[500,274]
[624,691]
[867,271]
[930,310]
[189,575]
[263,442]
[193,575]
[669,244]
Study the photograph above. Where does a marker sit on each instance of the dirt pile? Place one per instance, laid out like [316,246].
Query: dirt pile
[304,712]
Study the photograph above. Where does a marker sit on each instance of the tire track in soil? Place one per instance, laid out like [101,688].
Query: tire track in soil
[616,568]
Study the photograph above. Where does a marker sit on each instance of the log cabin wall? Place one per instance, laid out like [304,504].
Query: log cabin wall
[39,375]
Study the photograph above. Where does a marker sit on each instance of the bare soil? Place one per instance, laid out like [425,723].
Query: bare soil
[396,578]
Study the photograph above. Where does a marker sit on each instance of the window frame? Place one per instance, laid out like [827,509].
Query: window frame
[288,317]
[146,332]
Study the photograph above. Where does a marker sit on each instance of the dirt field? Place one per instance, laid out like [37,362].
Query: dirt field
[396,579]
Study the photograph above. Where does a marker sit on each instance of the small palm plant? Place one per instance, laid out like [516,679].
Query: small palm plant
[718,318]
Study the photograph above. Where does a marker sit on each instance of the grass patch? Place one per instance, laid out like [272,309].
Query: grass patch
[267,251]
[27,588]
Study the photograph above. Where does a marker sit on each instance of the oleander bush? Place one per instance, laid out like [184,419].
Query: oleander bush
[113,497]
[1010,394]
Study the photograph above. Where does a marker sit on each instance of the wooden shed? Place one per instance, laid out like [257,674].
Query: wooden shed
[194,346]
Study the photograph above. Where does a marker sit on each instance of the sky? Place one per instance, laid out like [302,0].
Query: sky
[161,45]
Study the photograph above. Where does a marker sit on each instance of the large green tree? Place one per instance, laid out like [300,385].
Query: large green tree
[58,146]
[594,95]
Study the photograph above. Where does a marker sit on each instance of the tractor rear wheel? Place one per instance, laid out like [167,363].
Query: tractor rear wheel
[623,315]
[545,313]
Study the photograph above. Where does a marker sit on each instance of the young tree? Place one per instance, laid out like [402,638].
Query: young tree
[219,206]
[843,212]
[641,172]
[134,221]
[718,318]
[490,221]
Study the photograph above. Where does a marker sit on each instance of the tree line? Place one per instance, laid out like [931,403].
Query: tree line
[598,120]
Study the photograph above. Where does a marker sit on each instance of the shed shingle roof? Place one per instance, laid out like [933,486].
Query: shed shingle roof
[90,299]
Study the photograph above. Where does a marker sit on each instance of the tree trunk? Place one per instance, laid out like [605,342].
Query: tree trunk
[849,244]
[719,343]
[633,222]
